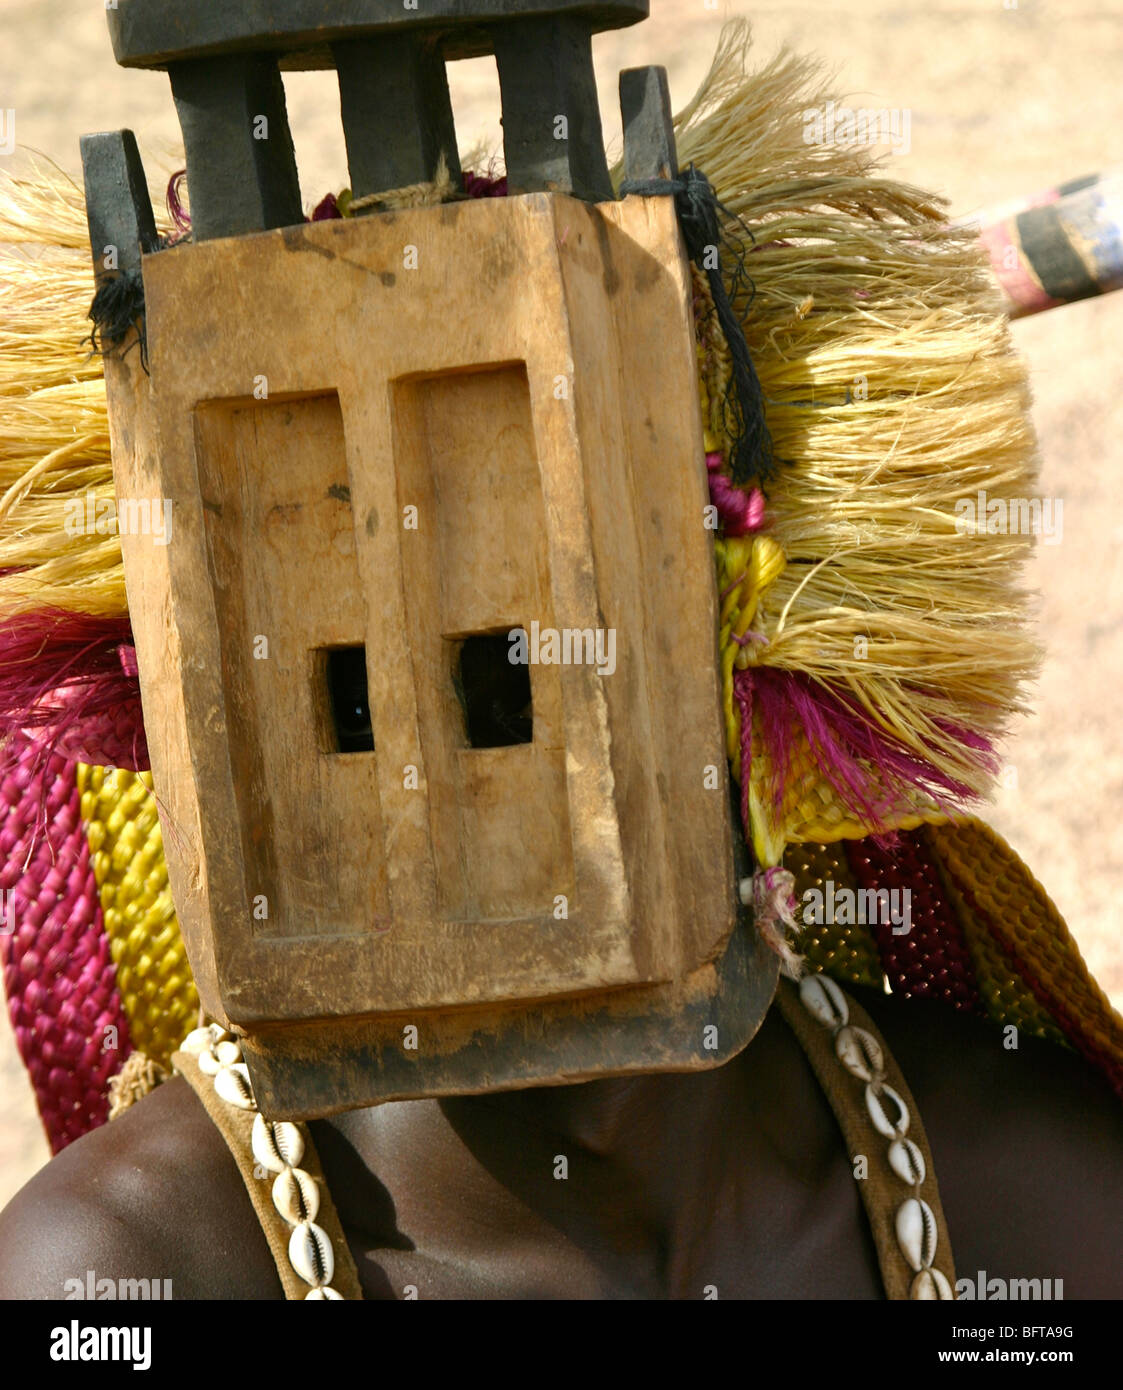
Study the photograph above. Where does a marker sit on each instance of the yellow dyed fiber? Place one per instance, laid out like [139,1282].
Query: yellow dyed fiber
[746,566]
[811,809]
[127,854]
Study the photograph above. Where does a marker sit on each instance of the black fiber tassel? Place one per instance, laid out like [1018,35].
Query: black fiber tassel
[699,214]
[118,305]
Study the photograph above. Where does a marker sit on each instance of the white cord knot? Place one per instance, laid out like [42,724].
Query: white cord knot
[774,906]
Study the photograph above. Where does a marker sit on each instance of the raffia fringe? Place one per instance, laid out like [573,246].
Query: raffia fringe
[54,427]
[892,391]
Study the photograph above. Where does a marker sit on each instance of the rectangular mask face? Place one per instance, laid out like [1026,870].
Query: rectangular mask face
[402,450]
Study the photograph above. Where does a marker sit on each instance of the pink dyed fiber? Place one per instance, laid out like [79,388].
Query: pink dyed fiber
[739,511]
[867,769]
[70,679]
[59,976]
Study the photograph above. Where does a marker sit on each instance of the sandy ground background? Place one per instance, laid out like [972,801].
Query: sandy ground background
[1006,99]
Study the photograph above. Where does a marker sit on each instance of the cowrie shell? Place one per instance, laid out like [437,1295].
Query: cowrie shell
[893,1122]
[859,1052]
[823,999]
[296,1196]
[233,1085]
[325,1292]
[929,1284]
[276,1144]
[310,1254]
[907,1162]
[916,1232]
[222,1054]
[201,1039]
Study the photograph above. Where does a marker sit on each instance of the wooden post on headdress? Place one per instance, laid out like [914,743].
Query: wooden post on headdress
[225,64]
[649,129]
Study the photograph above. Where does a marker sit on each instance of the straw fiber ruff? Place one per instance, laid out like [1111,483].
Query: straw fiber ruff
[891,391]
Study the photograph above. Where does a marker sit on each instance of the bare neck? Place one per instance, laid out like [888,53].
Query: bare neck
[616,1118]
[648,1127]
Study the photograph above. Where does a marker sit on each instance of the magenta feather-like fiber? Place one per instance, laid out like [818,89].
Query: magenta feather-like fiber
[866,768]
[70,681]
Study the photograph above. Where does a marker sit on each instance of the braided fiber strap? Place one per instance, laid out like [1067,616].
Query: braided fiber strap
[69,681]
[812,808]
[1006,996]
[113,737]
[1000,894]
[138,1078]
[929,959]
[127,855]
[879,1120]
[61,983]
[846,951]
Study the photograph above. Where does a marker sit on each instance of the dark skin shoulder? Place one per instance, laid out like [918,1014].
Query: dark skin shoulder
[735,1179]
[156,1193]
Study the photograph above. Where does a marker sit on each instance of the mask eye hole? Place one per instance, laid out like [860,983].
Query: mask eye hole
[493,693]
[346,673]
